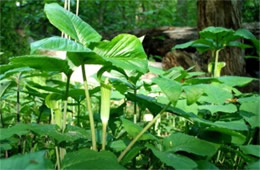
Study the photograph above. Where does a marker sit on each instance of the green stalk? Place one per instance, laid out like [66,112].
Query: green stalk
[18,98]
[216,64]
[57,158]
[66,103]
[90,113]
[2,119]
[105,109]
[78,111]
[142,132]
[135,107]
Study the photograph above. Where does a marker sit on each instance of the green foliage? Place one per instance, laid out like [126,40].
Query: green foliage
[88,159]
[210,125]
[34,160]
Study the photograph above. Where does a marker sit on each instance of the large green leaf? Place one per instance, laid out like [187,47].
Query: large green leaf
[253,166]
[133,130]
[236,137]
[228,108]
[71,24]
[36,160]
[71,134]
[80,58]
[250,110]
[124,51]
[89,159]
[170,88]
[174,160]
[244,33]
[251,149]
[182,104]
[203,164]
[235,80]
[43,63]
[58,44]
[216,33]
[18,129]
[184,45]
[182,142]
[193,93]
[217,94]
[8,70]
[233,125]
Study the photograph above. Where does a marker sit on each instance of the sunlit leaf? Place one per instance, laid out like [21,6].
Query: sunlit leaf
[170,88]
[58,44]
[43,63]
[71,24]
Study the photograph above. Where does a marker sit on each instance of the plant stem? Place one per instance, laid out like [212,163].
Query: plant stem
[66,103]
[2,119]
[135,115]
[90,113]
[216,64]
[142,132]
[78,111]
[104,135]
[18,98]
[58,158]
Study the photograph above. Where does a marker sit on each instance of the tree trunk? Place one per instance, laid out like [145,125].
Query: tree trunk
[223,13]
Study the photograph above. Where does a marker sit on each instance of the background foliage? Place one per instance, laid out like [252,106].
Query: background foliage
[23,21]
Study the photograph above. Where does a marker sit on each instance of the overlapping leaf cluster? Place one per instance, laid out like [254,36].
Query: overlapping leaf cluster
[209,123]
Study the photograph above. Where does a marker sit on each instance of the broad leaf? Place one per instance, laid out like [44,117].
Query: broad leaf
[182,46]
[118,145]
[216,33]
[236,137]
[251,150]
[124,51]
[174,160]
[43,63]
[193,93]
[203,164]
[244,33]
[71,24]
[228,108]
[18,129]
[235,80]
[170,88]
[89,159]
[233,125]
[80,58]
[182,142]
[182,104]
[254,165]
[58,44]
[133,130]
[250,110]
[36,160]
[217,94]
